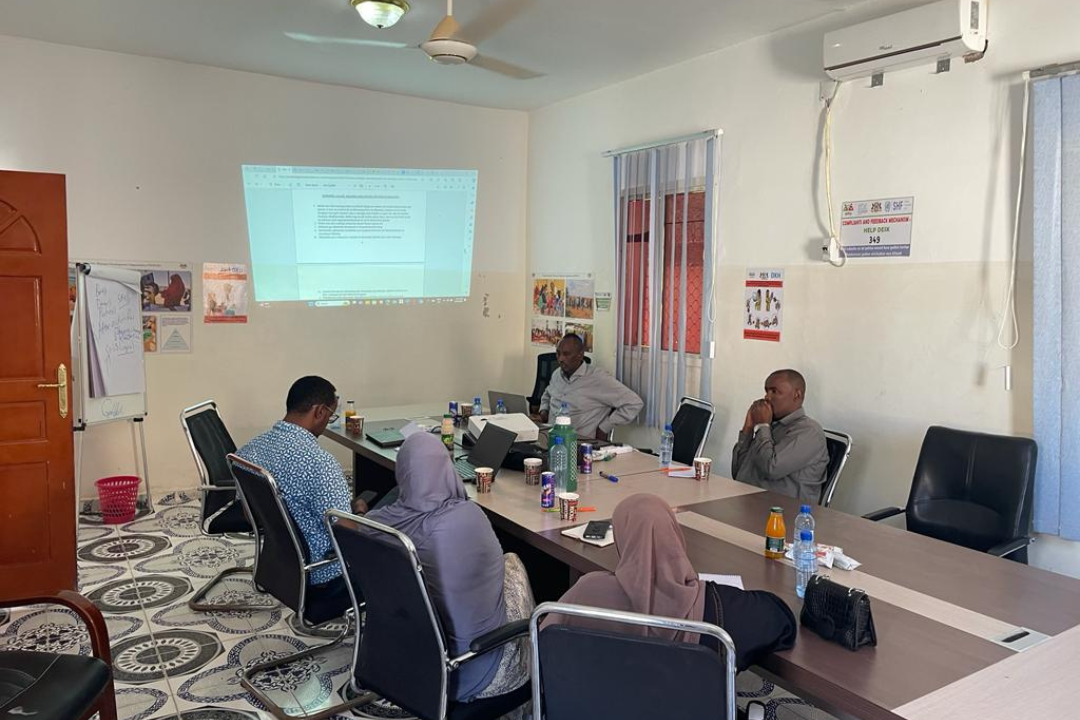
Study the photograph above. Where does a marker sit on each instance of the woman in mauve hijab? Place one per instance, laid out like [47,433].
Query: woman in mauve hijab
[475,587]
[654,576]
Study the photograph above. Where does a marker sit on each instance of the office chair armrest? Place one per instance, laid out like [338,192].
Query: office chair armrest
[1010,546]
[88,613]
[500,636]
[217,488]
[321,563]
[879,515]
[490,641]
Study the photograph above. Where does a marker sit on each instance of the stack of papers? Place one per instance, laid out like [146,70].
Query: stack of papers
[578,534]
[734,581]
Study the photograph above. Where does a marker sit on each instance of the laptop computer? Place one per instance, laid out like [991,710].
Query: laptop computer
[514,403]
[386,434]
[489,451]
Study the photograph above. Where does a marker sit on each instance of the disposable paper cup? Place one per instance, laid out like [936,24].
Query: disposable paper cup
[484,478]
[533,468]
[702,467]
[354,425]
[568,503]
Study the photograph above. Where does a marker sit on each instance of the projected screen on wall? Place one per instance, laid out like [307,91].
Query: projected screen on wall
[341,236]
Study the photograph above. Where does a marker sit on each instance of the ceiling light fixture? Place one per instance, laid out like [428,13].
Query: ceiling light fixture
[381,13]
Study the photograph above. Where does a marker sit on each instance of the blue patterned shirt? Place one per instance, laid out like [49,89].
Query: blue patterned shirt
[310,481]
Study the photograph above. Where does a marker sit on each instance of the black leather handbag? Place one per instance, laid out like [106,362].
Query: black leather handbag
[838,613]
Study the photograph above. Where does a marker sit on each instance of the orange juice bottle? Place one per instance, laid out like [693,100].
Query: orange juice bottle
[775,533]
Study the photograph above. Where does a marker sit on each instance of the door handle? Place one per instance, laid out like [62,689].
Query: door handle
[61,386]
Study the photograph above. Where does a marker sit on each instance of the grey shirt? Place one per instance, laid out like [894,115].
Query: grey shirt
[789,457]
[595,398]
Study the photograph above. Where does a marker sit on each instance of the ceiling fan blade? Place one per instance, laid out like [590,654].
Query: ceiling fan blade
[504,68]
[326,40]
[494,19]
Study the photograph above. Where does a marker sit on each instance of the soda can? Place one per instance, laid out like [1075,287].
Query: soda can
[547,490]
[586,458]
[453,408]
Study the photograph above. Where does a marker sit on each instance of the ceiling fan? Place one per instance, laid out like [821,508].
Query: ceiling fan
[447,44]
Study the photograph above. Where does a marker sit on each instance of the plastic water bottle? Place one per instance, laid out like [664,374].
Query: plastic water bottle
[477,407]
[564,429]
[667,446]
[500,407]
[558,462]
[804,521]
[564,409]
[805,561]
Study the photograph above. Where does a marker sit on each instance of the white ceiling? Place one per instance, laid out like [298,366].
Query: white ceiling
[578,45]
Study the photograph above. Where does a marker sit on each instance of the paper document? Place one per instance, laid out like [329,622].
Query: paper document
[734,581]
[115,338]
[681,472]
[578,533]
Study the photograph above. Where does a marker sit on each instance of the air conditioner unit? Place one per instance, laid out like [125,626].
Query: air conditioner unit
[944,29]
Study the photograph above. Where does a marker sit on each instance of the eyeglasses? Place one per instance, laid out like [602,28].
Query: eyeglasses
[334,415]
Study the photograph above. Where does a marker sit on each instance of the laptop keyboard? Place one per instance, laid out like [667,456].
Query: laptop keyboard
[464,469]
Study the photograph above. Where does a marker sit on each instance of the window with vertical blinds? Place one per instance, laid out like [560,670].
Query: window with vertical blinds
[665,227]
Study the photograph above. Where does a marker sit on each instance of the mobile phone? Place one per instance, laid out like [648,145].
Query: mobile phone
[368,496]
[596,529]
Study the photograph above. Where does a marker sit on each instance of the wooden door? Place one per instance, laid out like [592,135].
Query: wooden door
[37,472]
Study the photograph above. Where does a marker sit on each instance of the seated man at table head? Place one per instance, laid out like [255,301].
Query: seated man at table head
[309,478]
[597,401]
[780,448]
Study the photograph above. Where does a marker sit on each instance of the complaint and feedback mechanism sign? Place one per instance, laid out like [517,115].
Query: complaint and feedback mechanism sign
[877,228]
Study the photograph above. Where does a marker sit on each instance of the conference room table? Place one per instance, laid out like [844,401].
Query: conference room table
[940,610]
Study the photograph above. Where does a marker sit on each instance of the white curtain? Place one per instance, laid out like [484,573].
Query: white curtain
[657,189]
[1056,122]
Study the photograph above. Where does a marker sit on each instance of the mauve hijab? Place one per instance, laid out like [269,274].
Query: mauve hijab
[462,558]
[654,576]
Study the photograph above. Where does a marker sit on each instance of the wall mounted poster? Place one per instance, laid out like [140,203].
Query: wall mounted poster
[558,295]
[579,299]
[549,296]
[546,331]
[763,307]
[225,293]
[877,228]
[583,331]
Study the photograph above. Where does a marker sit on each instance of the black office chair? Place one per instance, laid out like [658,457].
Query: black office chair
[283,569]
[402,654]
[972,489]
[54,686]
[691,426]
[839,447]
[221,511]
[546,364]
[582,673]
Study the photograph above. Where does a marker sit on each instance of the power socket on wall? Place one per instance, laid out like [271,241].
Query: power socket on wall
[830,251]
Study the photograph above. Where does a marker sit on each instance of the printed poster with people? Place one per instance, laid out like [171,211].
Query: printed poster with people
[763,305]
[562,304]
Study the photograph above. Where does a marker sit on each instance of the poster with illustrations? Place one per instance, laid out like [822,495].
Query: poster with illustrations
[549,296]
[225,293]
[579,299]
[174,334]
[583,331]
[763,305]
[546,332]
[150,333]
[166,290]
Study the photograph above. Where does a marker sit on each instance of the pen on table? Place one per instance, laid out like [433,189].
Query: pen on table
[612,478]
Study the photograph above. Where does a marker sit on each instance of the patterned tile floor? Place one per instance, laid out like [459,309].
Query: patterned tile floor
[171,662]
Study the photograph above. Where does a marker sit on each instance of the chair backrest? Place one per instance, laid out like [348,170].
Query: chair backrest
[588,673]
[210,444]
[691,425]
[282,556]
[996,472]
[839,447]
[401,654]
[546,363]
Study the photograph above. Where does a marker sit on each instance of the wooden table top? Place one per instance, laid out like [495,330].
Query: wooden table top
[935,604]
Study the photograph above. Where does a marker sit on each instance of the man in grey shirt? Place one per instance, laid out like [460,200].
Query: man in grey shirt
[780,448]
[597,401]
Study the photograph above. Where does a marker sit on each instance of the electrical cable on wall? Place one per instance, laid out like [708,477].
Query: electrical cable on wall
[834,247]
[1008,310]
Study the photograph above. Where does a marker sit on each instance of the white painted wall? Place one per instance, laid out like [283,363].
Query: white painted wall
[152,152]
[888,347]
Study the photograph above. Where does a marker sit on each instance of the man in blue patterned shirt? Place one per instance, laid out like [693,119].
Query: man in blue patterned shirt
[309,478]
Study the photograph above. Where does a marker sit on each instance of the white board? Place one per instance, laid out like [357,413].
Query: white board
[110,374]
